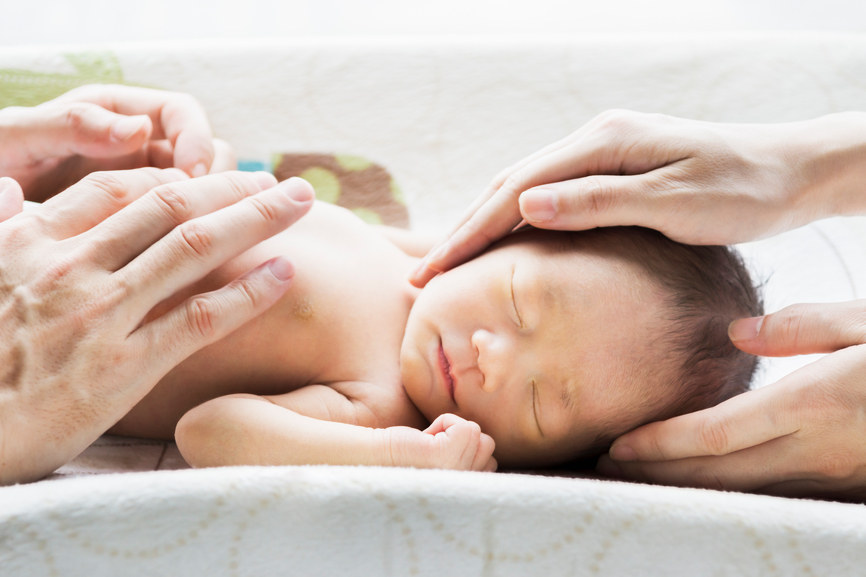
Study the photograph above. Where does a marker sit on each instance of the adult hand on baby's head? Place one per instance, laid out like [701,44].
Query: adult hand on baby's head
[450,442]
[801,436]
[696,182]
[80,274]
[100,127]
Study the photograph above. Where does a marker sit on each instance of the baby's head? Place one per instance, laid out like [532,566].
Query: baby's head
[556,343]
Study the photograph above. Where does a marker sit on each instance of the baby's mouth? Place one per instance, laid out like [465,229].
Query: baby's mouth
[446,371]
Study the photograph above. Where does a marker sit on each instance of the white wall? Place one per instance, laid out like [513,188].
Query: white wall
[88,21]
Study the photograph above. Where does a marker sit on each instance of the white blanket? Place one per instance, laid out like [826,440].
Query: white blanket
[444,117]
[369,521]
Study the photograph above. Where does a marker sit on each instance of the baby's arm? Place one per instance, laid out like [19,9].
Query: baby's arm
[252,430]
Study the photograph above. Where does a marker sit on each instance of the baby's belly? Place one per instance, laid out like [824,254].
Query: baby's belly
[341,320]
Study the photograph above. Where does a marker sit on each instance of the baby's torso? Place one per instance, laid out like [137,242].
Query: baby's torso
[342,320]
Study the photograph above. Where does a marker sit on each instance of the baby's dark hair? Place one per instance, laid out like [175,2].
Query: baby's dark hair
[704,288]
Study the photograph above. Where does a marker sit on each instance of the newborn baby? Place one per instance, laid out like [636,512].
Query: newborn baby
[554,343]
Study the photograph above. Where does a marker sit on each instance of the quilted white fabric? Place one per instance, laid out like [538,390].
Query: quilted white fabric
[444,117]
[368,521]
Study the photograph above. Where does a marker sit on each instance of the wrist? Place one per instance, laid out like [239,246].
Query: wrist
[830,157]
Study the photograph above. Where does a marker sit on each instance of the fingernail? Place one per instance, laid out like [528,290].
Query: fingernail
[620,452]
[298,189]
[126,128]
[281,268]
[609,468]
[538,204]
[265,180]
[745,329]
[422,264]
[199,170]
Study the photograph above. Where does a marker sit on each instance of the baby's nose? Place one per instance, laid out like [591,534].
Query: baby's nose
[493,358]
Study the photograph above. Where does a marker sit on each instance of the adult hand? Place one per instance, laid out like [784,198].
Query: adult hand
[11,198]
[78,276]
[697,182]
[105,127]
[801,436]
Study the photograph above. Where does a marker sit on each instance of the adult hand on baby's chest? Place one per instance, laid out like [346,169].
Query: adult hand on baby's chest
[801,436]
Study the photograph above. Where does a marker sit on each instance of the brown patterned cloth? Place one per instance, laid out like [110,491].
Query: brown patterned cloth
[353,182]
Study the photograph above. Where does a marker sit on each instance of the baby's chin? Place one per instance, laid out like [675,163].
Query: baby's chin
[414,375]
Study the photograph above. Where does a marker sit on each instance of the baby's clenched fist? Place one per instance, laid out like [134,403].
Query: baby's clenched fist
[450,442]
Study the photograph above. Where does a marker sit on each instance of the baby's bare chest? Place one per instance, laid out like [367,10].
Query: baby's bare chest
[343,318]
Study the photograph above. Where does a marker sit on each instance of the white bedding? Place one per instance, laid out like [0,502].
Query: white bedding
[369,521]
[444,117]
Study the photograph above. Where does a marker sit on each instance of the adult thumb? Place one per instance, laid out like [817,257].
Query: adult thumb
[588,202]
[84,129]
[11,198]
[802,329]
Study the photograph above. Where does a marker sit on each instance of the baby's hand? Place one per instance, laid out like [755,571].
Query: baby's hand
[449,443]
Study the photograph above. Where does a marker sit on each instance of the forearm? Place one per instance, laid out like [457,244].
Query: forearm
[246,430]
[830,156]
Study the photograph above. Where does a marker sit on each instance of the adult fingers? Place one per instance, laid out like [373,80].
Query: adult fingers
[512,171]
[64,129]
[492,221]
[744,421]
[98,196]
[11,198]
[492,215]
[591,202]
[802,329]
[131,231]
[608,201]
[175,116]
[198,246]
[224,157]
[748,470]
[208,317]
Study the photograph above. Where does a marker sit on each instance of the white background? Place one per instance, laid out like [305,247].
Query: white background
[89,21]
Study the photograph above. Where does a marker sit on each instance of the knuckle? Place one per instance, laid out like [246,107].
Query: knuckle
[174,203]
[595,196]
[715,434]
[196,239]
[249,291]
[615,119]
[269,211]
[788,324]
[75,116]
[837,466]
[106,184]
[202,317]
[514,183]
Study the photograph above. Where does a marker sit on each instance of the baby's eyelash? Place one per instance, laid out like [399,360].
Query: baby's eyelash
[514,302]
[535,406]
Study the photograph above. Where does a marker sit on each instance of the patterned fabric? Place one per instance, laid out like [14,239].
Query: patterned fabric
[352,182]
[22,87]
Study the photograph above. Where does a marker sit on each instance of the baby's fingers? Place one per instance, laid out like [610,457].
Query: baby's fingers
[484,460]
